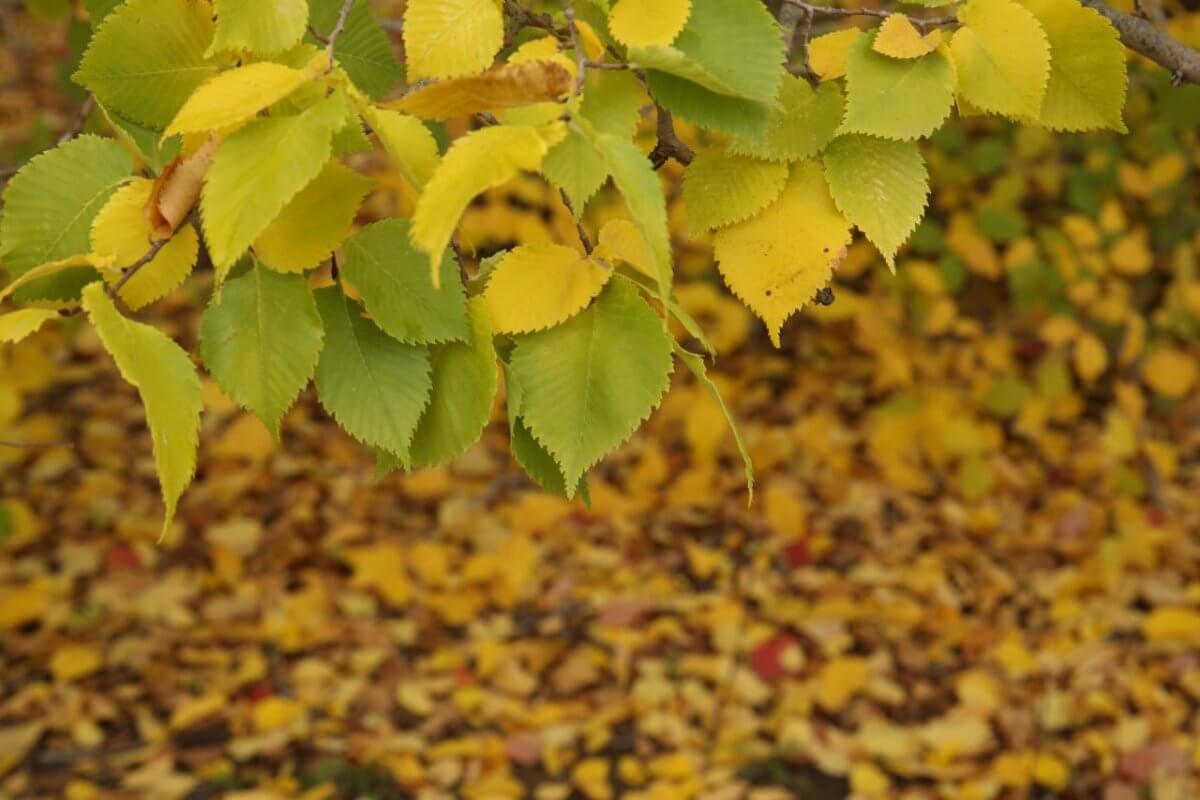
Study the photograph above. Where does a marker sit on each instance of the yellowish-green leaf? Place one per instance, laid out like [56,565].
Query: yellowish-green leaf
[315,222]
[899,38]
[778,260]
[880,185]
[896,98]
[641,23]
[167,382]
[539,286]
[54,268]
[800,125]
[720,188]
[407,142]
[1002,58]
[1088,76]
[236,96]
[480,160]
[258,170]
[505,87]
[828,53]
[147,57]
[122,232]
[465,377]
[16,325]
[449,38]
[264,27]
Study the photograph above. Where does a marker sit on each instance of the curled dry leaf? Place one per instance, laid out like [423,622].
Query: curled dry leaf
[177,189]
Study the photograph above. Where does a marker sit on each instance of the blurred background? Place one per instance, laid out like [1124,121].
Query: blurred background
[971,568]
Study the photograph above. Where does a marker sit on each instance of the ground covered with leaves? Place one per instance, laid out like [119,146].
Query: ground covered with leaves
[971,568]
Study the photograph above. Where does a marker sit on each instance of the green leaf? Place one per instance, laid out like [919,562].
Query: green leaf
[49,207]
[464,385]
[374,386]
[612,104]
[1088,76]
[258,170]
[587,384]
[260,27]
[99,9]
[393,278]
[261,338]
[735,116]
[533,458]
[800,126]
[881,186]
[363,48]
[723,70]
[638,184]
[896,98]
[167,382]
[151,148]
[735,42]
[147,58]
[695,363]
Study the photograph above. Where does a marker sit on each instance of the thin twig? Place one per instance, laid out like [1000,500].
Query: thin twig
[830,11]
[805,37]
[128,272]
[584,239]
[606,65]
[669,145]
[81,119]
[462,261]
[343,15]
[580,59]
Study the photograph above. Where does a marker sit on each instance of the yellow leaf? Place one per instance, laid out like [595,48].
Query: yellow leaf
[407,142]
[643,23]
[899,38]
[449,38]
[194,709]
[1130,255]
[1090,357]
[17,741]
[24,603]
[1002,58]
[867,780]
[776,261]
[1172,625]
[621,241]
[74,661]
[380,567]
[1051,771]
[538,286]
[23,322]
[313,222]
[274,713]
[236,96]
[828,54]
[504,87]
[480,160]
[839,680]
[122,232]
[1170,372]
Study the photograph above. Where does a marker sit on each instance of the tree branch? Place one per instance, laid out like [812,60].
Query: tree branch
[580,57]
[1141,35]
[830,11]
[669,145]
[343,15]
